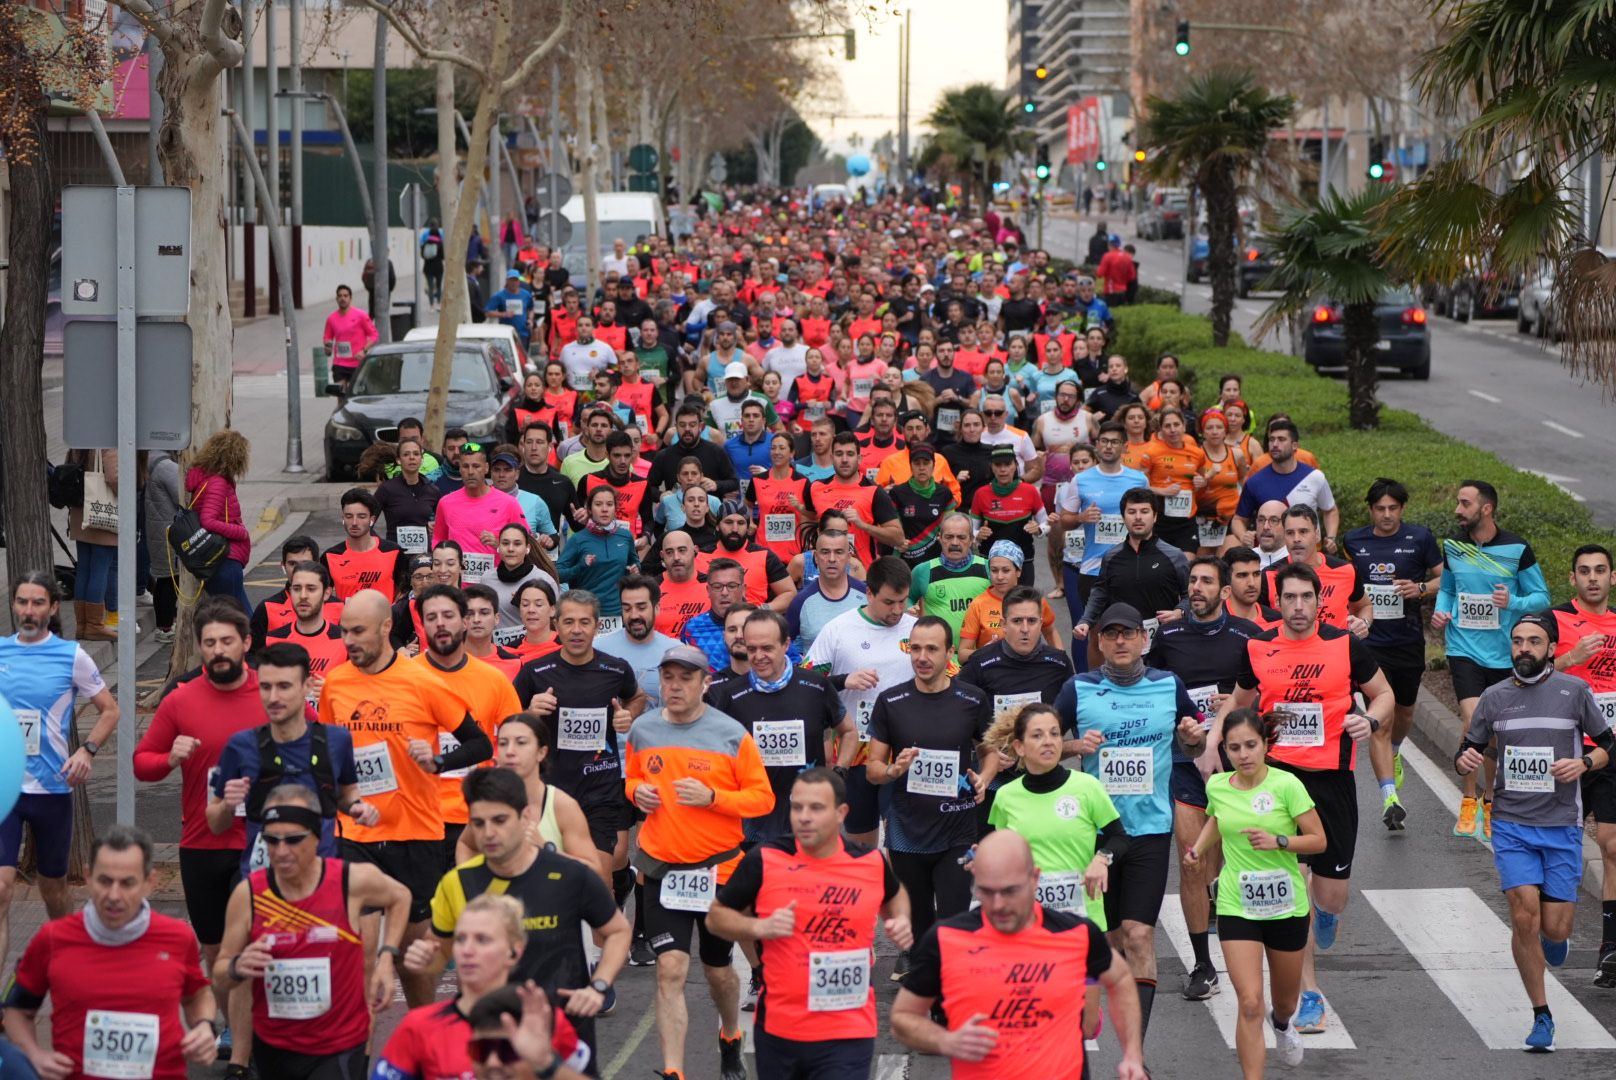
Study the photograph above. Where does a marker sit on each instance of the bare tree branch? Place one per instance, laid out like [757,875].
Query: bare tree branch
[226,53]
[412,37]
[525,72]
[149,19]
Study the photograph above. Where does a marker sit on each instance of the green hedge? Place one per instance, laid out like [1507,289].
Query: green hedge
[1405,447]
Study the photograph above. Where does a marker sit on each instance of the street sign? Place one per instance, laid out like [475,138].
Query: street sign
[1083,131]
[717,170]
[553,191]
[163,382]
[643,182]
[552,219]
[642,158]
[412,205]
[162,251]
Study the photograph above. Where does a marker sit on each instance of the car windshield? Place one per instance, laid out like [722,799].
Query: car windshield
[411,373]
[1397,296]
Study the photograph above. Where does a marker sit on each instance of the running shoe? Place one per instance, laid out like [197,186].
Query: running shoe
[1605,973]
[671,1074]
[163,637]
[1541,1040]
[900,968]
[1393,814]
[1466,825]
[1554,952]
[1486,818]
[1202,983]
[731,1062]
[1324,927]
[1309,1018]
[239,1072]
[610,1004]
[1397,770]
[221,1046]
[640,954]
[750,999]
[1289,1044]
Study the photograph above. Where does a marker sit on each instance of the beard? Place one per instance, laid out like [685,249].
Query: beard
[222,670]
[732,542]
[1530,667]
[440,649]
[638,629]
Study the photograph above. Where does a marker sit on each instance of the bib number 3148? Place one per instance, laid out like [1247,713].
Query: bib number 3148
[690,890]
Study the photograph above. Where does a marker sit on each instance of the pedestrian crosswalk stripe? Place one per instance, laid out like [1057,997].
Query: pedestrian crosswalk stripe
[1225,1008]
[1465,948]
[891,1067]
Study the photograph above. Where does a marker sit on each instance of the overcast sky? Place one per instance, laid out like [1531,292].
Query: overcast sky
[954,41]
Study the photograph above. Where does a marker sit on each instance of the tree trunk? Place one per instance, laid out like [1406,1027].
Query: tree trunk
[588,169]
[448,181]
[605,170]
[1359,330]
[1222,222]
[664,165]
[22,352]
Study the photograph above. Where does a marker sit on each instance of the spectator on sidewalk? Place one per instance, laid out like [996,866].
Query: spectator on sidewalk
[95,588]
[162,496]
[367,278]
[211,488]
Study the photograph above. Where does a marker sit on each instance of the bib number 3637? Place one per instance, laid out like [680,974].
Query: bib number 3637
[1526,769]
[1062,890]
[120,1045]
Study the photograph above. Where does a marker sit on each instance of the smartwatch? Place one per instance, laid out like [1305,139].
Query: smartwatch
[391,950]
[91,747]
[600,986]
[1283,841]
[1588,762]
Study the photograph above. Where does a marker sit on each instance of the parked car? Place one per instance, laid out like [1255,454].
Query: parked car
[1478,293]
[1200,252]
[1163,215]
[1255,262]
[1535,313]
[1404,341]
[392,383]
[509,357]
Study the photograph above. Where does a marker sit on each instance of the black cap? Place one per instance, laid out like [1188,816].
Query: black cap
[1003,450]
[1124,615]
[1544,619]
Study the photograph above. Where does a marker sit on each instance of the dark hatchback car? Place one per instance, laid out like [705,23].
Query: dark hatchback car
[1254,262]
[1404,341]
[392,383]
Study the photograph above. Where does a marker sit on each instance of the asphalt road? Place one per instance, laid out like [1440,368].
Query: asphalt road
[1489,385]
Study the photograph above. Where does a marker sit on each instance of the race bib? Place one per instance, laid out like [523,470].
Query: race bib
[513,307]
[474,564]
[344,350]
[509,635]
[412,539]
[258,858]
[861,387]
[934,772]
[447,743]
[1607,707]
[373,765]
[780,528]
[781,742]
[1386,602]
[1128,770]
[1045,405]
[582,729]
[1151,626]
[241,807]
[1181,505]
[608,624]
[1304,724]
[816,410]
[298,989]
[690,890]
[581,380]
[1073,552]
[838,980]
[120,1045]
[947,419]
[1110,529]
[28,722]
[1266,894]
[861,719]
[1211,532]
[1010,704]
[1063,891]
[1477,611]
[870,473]
[1526,769]
[1203,697]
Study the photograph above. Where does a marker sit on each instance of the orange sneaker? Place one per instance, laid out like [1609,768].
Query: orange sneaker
[1486,831]
[1466,825]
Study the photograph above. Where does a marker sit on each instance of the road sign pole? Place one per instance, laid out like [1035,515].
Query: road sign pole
[128,499]
[556,150]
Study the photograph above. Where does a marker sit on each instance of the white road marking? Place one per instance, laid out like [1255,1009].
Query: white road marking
[1225,1008]
[1486,397]
[1559,481]
[635,1038]
[891,1067]
[1465,948]
[1562,429]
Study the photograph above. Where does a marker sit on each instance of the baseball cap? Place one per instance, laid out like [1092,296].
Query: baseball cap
[1543,619]
[504,459]
[1003,452]
[1124,615]
[686,656]
[736,369]
[512,274]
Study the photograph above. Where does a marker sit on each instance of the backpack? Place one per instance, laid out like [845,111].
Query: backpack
[432,246]
[272,771]
[199,550]
[64,485]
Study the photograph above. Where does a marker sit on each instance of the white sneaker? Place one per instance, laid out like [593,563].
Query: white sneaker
[1289,1044]
[163,637]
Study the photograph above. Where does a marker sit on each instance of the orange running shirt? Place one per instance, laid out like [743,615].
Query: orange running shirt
[485,695]
[1312,680]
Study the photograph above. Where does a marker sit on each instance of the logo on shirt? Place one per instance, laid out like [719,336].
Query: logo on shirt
[1066,808]
[1262,802]
[654,764]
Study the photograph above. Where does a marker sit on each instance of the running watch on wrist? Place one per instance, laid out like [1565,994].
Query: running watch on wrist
[91,747]
[1283,841]
[391,950]
[1588,762]
[600,986]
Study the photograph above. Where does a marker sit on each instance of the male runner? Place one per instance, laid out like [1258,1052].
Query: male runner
[1309,670]
[276,611]
[1398,564]
[869,509]
[1092,500]
[311,629]
[830,594]
[1245,588]
[1492,578]
[1143,571]
[1343,603]
[364,560]
[1538,719]
[638,640]
[946,585]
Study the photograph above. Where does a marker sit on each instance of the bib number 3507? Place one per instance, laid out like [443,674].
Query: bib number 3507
[120,1045]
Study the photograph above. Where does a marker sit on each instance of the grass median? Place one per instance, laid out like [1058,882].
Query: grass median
[1404,447]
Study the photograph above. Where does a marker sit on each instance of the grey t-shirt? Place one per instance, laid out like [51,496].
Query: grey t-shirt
[1536,725]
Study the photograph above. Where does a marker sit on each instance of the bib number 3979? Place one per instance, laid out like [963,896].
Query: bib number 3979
[120,1045]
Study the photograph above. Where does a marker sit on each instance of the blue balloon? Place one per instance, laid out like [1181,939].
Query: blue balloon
[11,758]
[858,165]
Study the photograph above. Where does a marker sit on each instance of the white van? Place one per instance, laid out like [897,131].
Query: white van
[825,194]
[628,216]
[501,337]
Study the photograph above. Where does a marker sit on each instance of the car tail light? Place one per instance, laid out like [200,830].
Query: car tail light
[1252,255]
[1414,316]
[1324,314]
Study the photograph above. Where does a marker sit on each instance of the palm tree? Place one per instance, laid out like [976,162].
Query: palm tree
[1331,250]
[979,127]
[1537,78]
[1216,135]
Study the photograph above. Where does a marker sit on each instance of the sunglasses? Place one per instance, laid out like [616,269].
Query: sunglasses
[993,412]
[471,448]
[480,1048]
[290,841]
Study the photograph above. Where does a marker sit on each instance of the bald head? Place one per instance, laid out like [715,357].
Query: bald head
[368,604]
[1004,850]
[1270,525]
[367,619]
[1006,880]
[678,555]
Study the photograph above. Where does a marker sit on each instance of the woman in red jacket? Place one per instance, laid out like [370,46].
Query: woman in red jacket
[211,485]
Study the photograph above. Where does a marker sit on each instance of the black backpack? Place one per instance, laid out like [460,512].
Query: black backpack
[64,485]
[272,771]
[198,549]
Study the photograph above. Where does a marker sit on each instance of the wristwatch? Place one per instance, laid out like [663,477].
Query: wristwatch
[1588,762]
[1283,841]
[91,747]
[1108,856]
[437,763]
[600,986]
[391,950]
[549,1070]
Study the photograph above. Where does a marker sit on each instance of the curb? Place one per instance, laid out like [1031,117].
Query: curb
[1439,731]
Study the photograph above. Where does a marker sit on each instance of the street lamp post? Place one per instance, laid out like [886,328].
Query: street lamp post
[348,144]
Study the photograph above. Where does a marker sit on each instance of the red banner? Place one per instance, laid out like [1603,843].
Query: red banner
[1083,131]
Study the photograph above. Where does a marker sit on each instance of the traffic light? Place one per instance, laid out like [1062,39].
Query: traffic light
[851,43]
[1099,166]
[1139,155]
[1042,168]
[1029,106]
[1377,170]
[1040,73]
[1182,45]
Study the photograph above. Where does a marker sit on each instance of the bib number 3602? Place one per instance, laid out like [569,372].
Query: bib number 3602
[120,1045]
